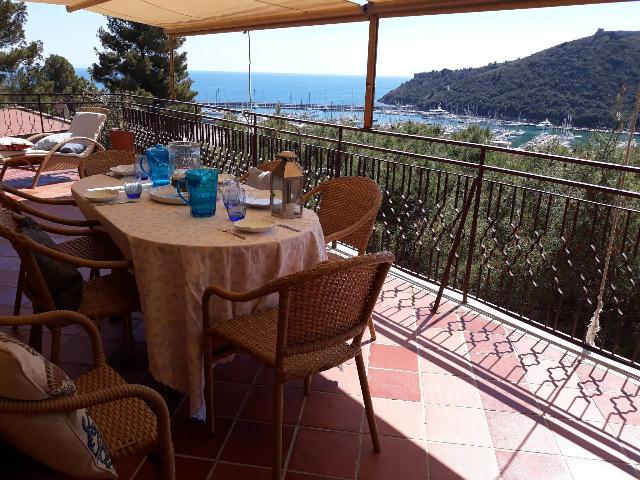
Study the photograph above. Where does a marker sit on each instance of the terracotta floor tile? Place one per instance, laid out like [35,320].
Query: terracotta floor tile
[228,471]
[393,357]
[551,372]
[466,426]
[303,476]
[629,438]
[581,468]
[191,436]
[528,466]
[507,397]
[590,440]
[498,367]
[126,467]
[242,369]
[461,462]
[265,377]
[516,431]
[566,402]
[394,384]
[450,390]
[619,407]
[251,443]
[190,468]
[332,411]
[397,418]
[488,342]
[453,342]
[259,405]
[400,458]
[444,363]
[604,380]
[227,398]
[533,349]
[342,379]
[325,452]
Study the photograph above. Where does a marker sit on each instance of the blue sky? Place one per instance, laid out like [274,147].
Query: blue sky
[406,45]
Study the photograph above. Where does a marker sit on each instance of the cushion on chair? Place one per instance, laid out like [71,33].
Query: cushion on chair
[87,124]
[258,179]
[13,144]
[64,281]
[69,442]
[50,141]
[73,147]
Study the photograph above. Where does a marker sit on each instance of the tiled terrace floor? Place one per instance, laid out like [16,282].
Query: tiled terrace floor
[457,396]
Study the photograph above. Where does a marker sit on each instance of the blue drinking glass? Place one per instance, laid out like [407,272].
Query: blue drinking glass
[133,184]
[202,185]
[235,202]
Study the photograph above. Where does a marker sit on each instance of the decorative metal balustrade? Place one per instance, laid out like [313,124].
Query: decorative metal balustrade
[524,232]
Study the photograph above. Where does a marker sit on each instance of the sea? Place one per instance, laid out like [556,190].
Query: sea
[348,91]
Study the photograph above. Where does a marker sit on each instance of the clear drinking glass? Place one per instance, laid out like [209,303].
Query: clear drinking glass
[227,184]
[133,184]
[235,202]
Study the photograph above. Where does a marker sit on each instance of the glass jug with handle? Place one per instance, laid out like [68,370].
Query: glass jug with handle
[184,156]
[160,168]
[202,185]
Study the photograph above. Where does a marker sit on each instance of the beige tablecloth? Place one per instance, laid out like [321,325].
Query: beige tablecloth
[176,256]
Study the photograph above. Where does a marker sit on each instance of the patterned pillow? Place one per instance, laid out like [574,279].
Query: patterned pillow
[13,144]
[50,141]
[69,442]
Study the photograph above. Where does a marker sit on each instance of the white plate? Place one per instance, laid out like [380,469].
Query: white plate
[258,202]
[167,194]
[254,226]
[122,170]
[102,195]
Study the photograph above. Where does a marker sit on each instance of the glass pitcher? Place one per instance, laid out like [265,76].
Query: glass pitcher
[184,156]
[202,185]
[160,169]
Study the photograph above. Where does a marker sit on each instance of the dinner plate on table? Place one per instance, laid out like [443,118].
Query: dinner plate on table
[257,202]
[254,226]
[168,195]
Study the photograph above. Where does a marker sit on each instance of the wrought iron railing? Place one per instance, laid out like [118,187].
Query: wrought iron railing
[525,232]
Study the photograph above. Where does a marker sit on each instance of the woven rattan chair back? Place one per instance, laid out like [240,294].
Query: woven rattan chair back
[333,303]
[35,287]
[103,110]
[100,162]
[343,202]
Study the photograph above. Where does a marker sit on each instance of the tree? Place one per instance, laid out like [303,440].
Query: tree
[16,55]
[136,59]
[62,78]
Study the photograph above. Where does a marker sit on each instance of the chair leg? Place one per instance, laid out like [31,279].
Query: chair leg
[36,178]
[55,345]
[368,405]
[307,385]
[94,273]
[127,331]
[372,330]
[278,404]
[18,302]
[5,165]
[208,396]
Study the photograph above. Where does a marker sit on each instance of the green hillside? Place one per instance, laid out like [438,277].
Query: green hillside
[581,78]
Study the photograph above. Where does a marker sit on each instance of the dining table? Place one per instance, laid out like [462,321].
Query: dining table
[176,257]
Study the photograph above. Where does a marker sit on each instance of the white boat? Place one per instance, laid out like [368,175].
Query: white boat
[437,111]
[545,124]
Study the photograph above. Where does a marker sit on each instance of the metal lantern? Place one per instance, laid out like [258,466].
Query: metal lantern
[287,187]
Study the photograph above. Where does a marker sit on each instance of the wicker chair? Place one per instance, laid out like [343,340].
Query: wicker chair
[96,245]
[319,323]
[40,161]
[133,419]
[265,167]
[101,162]
[113,295]
[348,209]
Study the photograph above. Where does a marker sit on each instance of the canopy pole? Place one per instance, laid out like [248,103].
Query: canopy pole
[372,58]
[172,69]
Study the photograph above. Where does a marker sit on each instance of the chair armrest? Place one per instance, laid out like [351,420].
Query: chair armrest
[33,198]
[34,138]
[314,191]
[22,208]
[60,318]
[87,151]
[72,232]
[73,260]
